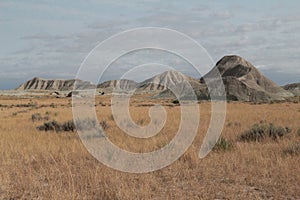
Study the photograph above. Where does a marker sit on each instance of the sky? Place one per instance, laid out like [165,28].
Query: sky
[50,39]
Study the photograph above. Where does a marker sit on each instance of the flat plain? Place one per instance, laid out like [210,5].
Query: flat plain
[37,164]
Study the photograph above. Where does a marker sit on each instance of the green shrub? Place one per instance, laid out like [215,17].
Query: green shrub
[223,145]
[176,101]
[259,132]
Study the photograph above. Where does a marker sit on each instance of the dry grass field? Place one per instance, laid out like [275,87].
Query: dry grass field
[36,164]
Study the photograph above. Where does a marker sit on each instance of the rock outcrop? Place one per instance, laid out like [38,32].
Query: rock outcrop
[243,82]
[118,85]
[57,85]
[293,88]
[164,80]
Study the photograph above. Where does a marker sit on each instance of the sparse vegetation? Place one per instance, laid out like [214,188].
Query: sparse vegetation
[293,150]
[104,125]
[52,105]
[260,132]
[102,103]
[38,117]
[57,127]
[35,165]
[86,124]
[32,105]
[223,145]
[176,101]
[141,122]
[3,106]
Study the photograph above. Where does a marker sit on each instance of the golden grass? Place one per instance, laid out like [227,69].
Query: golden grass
[48,165]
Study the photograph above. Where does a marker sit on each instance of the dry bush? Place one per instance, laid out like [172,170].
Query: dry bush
[57,127]
[104,125]
[86,124]
[38,117]
[260,132]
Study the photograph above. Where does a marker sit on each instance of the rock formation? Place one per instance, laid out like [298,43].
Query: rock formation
[243,82]
[293,88]
[57,85]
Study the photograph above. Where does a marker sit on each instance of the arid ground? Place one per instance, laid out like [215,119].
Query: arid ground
[36,164]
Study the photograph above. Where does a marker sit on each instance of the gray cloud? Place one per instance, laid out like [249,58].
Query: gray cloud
[221,14]
[271,41]
[45,37]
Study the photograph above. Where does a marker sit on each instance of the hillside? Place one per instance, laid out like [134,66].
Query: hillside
[243,82]
[47,84]
[164,80]
[293,88]
[123,84]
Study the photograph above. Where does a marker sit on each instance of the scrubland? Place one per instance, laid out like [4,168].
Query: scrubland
[36,164]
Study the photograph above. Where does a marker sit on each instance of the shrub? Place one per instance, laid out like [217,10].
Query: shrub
[141,122]
[259,132]
[57,127]
[298,132]
[31,104]
[36,117]
[223,145]
[176,101]
[86,124]
[103,124]
[68,126]
[52,105]
[292,150]
[50,126]
[288,129]
[102,104]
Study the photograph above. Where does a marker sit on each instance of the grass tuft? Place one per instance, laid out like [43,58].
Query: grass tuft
[293,150]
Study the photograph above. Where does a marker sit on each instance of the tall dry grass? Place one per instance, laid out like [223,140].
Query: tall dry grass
[48,165]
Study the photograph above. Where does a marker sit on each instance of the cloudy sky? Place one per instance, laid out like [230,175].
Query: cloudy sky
[50,39]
